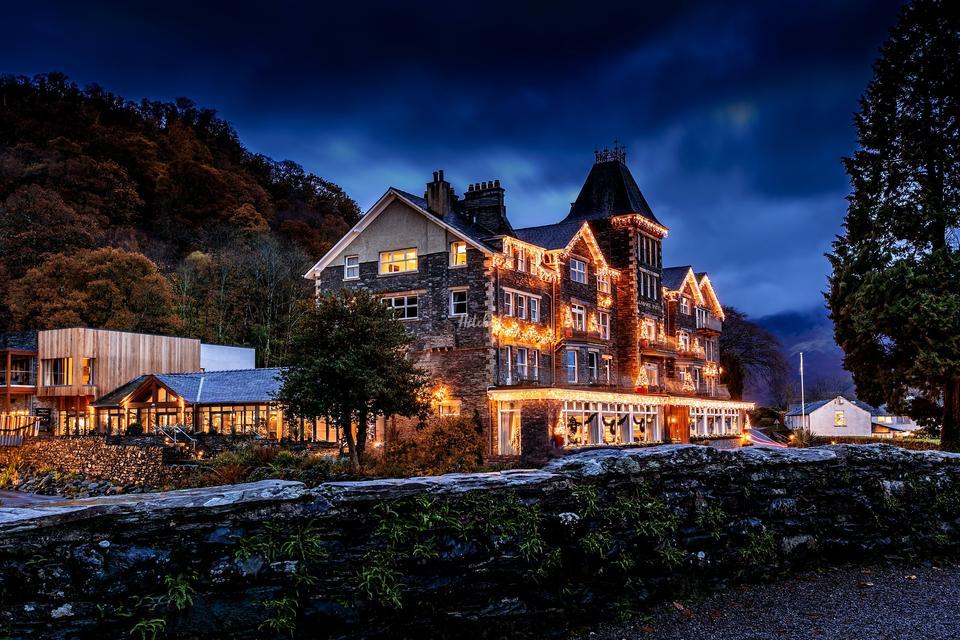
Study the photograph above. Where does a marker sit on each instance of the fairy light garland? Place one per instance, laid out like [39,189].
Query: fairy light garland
[517,331]
[637,221]
[584,395]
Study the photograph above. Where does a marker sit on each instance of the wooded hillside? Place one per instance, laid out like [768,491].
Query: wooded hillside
[151,216]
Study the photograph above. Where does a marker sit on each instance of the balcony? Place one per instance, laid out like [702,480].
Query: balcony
[709,323]
[521,377]
[675,386]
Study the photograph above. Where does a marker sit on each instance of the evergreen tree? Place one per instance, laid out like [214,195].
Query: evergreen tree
[895,289]
[348,361]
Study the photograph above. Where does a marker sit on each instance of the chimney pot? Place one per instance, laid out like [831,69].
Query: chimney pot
[441,174]
[436,176]
[496,183]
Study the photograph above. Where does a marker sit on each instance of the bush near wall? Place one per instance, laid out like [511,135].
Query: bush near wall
[599,534]
[914,444]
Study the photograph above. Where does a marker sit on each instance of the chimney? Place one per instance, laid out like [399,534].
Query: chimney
[439,195]
[483,204]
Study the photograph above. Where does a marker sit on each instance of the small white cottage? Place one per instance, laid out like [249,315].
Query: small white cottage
[842,417]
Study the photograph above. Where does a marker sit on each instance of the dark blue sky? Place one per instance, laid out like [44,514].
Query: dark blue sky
[734,114]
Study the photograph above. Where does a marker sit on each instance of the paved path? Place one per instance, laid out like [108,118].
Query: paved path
[892,602]
[21,499]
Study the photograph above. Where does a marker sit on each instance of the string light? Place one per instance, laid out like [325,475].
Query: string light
[584,395]
[513,329]
[717,308]
[637,221]
[604,300]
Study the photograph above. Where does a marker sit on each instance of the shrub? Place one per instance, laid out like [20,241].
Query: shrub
[443,445]
[134,429]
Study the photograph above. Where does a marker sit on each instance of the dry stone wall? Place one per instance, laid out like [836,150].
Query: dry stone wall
[597,534]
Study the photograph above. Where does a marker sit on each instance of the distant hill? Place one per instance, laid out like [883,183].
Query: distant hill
[809,331]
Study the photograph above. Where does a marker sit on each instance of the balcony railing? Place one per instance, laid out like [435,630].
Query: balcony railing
[529,377]
[709,322]
[18,378]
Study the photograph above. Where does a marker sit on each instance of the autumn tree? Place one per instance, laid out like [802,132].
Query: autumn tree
[895,288]
[749,355]
[348,361]
[103,288]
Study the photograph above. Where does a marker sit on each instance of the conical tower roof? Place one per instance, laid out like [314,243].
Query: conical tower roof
[610,190]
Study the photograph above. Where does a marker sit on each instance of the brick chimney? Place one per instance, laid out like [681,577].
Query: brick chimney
[439,195]
[483,204]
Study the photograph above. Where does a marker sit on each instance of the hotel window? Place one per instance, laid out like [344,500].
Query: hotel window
[684,339]
[534,310]
[448,408]
[684,305]
[649,286]
[604,325]
[404,307]
[458,302]
[507,303]
[351,267]
[648,330]
[571,365]
[57,372]
[520,304]
[458,254]
[593,364]
[400,261]
[579,315]
[521,259]
[534,365]
[578,270]
[603,283]
[521,363]
[839,419]
[86,371]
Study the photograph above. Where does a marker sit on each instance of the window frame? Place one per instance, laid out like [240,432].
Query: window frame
[520,305]
[572,374]
[603,321]
[684,305]
[575,271]
[453,303]
[578,311]
[456,255]
[603,283]
[839,418]
[388,300]
[534,313]
[347,266]
[405,260]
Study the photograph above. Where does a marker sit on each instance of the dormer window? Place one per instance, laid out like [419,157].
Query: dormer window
[458,254]
[521,259]
[578,271]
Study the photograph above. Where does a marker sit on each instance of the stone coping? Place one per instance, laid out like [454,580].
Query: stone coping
[593,463]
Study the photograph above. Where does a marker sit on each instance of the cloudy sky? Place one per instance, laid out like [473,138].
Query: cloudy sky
[735,114]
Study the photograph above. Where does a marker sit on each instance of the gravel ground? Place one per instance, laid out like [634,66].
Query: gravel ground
[891,602]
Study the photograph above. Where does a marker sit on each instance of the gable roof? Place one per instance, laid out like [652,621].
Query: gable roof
[452,222]
[609,190]
[550,236]
[675,278]
[813,406]
[207,387]
[810,407]
[706,287]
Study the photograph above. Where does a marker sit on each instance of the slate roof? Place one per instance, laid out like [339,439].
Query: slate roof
[208,387]
[810,407]
[813,406]
[673,277]
[19,340]
[458,221]
[609,190]
[550,236]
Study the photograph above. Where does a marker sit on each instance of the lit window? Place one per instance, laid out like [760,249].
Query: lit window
[458,303]
[398,261]
[521,363]
[458,254]
[684,305]
[448,408]
[521,259]
[351,267]
[579,314]
[571,365]
[839,419]
[404,307]
[578,270]
[603,283]
[507,303]
[684,338]
[604,325]
[534,310]
[57,372]
[86,371]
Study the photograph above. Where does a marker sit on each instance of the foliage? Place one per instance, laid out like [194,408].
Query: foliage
[348,361]
[232,232]
[443,445]
[149,629]
[134,429]
[106,288]
[750,355]
[895,288]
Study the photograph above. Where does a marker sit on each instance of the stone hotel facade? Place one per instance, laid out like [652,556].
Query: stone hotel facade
[562,335]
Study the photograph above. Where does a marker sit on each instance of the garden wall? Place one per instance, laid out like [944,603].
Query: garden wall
[598,534]
[130,463]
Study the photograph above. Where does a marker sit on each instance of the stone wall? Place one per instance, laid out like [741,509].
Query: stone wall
[129,463]
[592,535]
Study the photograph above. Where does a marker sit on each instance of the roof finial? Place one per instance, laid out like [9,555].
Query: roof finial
[618,153]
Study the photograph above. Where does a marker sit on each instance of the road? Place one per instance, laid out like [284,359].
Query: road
[892,602]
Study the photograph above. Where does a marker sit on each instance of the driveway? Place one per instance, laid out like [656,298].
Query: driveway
[891,602]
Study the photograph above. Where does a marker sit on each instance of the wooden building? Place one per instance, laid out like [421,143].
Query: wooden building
[56,374]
